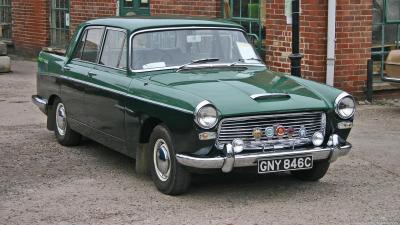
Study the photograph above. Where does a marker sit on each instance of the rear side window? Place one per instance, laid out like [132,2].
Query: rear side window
[92,44]
[79,48]
[114,50]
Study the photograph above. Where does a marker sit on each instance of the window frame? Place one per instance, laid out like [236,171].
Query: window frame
[56,30]
[6,19]
[84,34]
[102,47]
[130,64]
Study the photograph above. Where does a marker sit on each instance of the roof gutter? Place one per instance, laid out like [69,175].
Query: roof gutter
[331,41]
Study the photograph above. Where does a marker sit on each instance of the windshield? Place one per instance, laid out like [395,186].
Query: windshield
[174,48]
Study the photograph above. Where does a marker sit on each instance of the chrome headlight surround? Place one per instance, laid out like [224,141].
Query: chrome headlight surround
[346,100]
[206,115]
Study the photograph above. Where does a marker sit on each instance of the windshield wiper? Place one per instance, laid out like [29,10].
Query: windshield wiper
[244,60]
[196,62]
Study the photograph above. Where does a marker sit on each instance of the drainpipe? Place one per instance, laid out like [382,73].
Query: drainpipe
[295,57]
[331,41]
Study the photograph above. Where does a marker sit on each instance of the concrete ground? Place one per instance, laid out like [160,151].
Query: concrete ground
[42,182]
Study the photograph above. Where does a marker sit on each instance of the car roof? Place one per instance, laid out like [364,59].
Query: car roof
[133,24]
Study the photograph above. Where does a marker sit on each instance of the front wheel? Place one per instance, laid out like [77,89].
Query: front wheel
[168,175]
[64,134]
[314,174]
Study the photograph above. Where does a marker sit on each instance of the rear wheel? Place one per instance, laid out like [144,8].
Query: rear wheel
[314,174]
[168,175]
[65,136]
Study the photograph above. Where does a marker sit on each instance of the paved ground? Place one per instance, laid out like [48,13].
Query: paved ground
[42,182]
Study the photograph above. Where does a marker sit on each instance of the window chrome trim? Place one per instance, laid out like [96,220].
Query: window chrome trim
[84,32]
[177,28]
[102,46]
[339,99]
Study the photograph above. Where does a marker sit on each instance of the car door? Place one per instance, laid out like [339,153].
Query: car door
[76,71]
[105,97]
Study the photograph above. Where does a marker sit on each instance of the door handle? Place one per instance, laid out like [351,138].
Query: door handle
[91,74]
[66,68]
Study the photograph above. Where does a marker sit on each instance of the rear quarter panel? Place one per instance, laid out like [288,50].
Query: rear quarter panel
[49,68]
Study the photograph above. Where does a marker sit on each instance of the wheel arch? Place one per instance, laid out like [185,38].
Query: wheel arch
[50,119]
[147,128]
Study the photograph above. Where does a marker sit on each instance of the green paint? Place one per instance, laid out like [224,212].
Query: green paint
[169,96]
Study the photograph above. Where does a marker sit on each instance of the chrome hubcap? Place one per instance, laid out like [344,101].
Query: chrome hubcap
[61,119]
[162,159]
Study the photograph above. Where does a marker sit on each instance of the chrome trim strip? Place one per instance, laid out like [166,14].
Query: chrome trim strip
[174,28]
[337,101]
[40,102]
[269,95]
[245,160]
[123,93]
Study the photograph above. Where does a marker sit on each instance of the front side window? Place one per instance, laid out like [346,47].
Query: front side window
[92,44]
[163,49]
[113,51]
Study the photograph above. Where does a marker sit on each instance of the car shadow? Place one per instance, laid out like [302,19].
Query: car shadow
[239,181]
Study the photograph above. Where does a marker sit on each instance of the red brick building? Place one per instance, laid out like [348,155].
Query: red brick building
[39,23]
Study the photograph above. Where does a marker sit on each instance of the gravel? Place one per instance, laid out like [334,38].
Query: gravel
[42,182]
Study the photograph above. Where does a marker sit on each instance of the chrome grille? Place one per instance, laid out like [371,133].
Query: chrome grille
[242,127]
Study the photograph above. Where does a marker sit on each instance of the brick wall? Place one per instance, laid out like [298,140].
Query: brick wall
[353,32]
[82,10]
[353,44]
[278,36]
[313,28]
[210,8]
[30,21]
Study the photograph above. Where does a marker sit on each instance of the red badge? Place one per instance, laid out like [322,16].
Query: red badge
[280,130]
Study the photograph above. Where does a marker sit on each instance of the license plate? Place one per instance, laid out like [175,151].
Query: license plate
[284,164]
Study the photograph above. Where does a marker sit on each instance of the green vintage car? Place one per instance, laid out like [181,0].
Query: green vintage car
[185,96]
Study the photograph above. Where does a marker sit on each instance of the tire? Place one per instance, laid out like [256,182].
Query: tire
[317,172]
[64,134]
[168,175]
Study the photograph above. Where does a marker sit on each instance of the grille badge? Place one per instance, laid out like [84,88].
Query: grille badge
[257,133]
[302,132]
[290,132]
[280,131]
[269,132]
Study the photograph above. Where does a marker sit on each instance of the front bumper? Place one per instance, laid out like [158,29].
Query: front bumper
[40,102]
[231,160]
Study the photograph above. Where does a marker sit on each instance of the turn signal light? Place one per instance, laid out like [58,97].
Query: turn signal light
[345,125]
[207,136]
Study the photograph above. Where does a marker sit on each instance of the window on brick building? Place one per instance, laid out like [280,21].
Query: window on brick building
[385,35]
[134,7]
[5,20]
[248,13]
[59,23]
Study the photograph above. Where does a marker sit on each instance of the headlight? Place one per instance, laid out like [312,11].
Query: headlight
[206,115]
[345,106]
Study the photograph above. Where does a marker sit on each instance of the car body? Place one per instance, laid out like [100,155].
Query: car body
[195,94]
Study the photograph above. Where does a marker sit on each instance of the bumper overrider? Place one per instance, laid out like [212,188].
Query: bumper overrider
[40,102]
[232,160]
